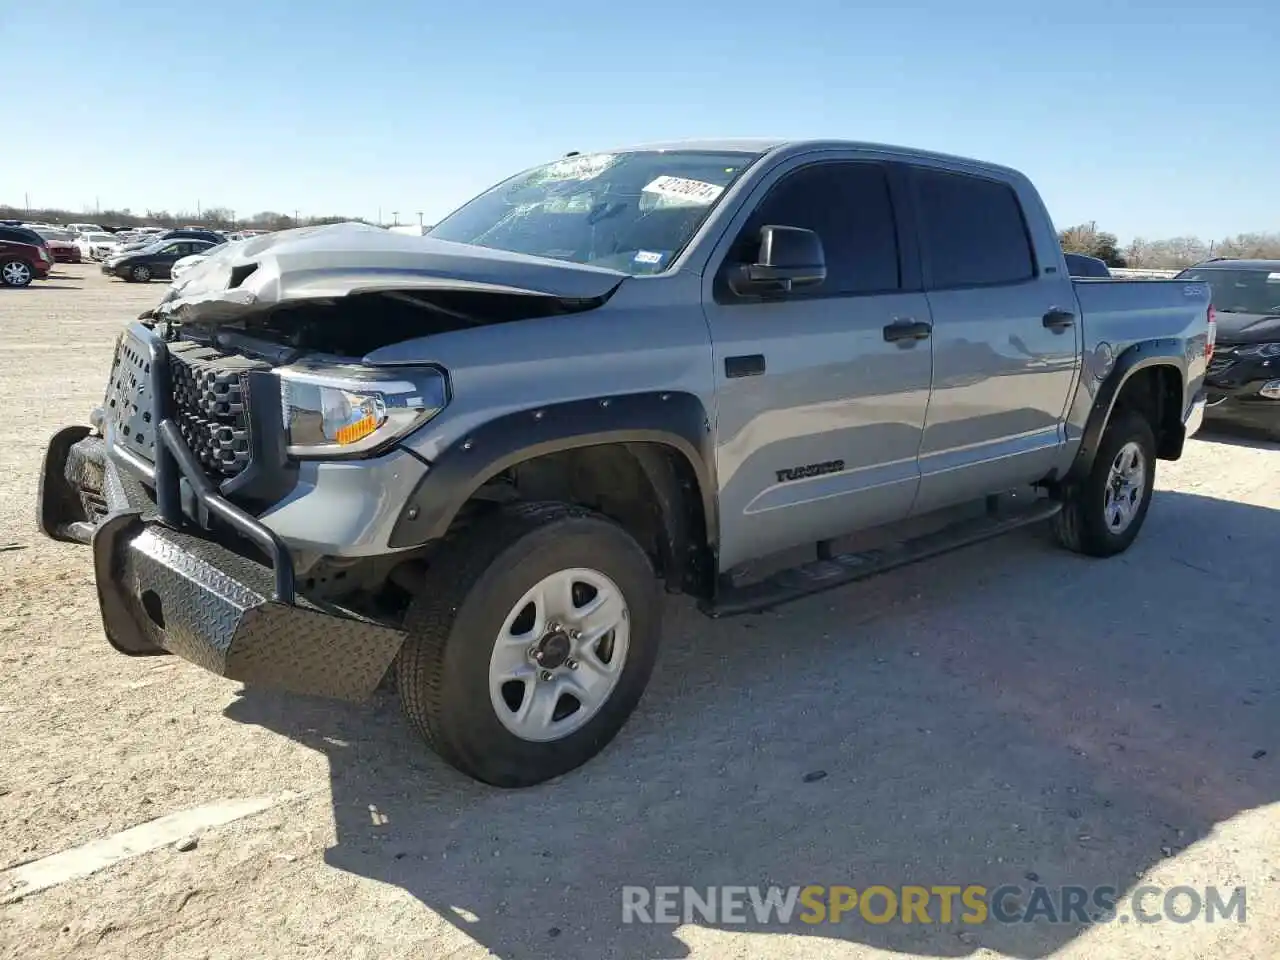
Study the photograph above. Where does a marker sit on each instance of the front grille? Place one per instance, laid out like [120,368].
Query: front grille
[210,394]
[210,399]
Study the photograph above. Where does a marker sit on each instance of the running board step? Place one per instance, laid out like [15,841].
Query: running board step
[840,569]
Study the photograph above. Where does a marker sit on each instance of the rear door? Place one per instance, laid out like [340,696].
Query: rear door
[819,417]
[1006,344]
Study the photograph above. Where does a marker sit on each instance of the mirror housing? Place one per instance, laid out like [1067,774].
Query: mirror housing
[788,257]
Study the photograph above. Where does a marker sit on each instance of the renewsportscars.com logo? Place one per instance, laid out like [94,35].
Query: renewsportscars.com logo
[941,903]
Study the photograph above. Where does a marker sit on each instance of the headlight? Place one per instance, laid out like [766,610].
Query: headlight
[344,411]
[1259,350]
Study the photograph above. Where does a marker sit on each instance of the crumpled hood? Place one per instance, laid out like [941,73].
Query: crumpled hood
[345,258]
[1247,327]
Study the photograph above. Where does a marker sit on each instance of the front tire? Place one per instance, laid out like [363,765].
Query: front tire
[16,273]
[1102,513]
[140,274]
[530,644]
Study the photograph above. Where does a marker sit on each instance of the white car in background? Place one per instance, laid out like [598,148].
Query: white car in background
[84,228]
[185,264]
[97,245]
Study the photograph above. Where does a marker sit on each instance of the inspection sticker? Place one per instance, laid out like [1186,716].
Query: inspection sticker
[695,192]
[649,256]
[1273,278]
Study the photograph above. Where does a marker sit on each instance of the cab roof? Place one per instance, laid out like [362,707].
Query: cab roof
[779,146]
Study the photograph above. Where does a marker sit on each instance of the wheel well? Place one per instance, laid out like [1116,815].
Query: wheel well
[649,489]
[1156,393]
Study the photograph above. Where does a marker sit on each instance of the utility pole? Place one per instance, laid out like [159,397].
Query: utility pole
[197,209]
[26,203]
[379,216]
[295,216]
[419,219]
[395,218]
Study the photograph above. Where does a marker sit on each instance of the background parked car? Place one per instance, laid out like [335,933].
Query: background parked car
[84,228]
[184,264]
[97,245]
[1080,265]
[155,261]
[193,233]
[1243,379]
[61,244]
[21,259]
[144,241]
[21,233]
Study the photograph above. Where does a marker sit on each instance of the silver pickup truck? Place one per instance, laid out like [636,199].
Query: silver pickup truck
[478,457]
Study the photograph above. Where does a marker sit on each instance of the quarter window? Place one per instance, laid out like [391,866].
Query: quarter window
[972,230]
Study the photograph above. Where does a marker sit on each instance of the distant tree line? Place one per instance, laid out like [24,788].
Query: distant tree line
[1171,254]
[215,218]
[1085,238]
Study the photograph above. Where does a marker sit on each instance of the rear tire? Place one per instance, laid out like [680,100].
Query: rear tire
[475,610]
[1103,512]
[16,273]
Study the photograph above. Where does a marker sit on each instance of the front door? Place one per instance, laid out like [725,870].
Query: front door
[819,416]
[1006,342]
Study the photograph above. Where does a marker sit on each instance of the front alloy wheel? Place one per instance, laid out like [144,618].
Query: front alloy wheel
[140,273]
[530,642]
[559,655]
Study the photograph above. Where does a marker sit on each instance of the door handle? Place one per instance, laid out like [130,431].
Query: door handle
[907,330]
[1058,320]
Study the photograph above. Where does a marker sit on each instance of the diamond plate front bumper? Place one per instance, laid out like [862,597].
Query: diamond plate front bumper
[166,590]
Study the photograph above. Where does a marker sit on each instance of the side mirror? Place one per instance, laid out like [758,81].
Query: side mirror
[788,257]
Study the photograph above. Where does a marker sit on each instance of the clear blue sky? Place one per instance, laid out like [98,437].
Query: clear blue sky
[1152,118]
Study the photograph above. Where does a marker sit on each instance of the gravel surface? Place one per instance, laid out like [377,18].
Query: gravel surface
[1003,712]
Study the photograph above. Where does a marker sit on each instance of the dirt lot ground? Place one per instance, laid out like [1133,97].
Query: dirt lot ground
[1007,712]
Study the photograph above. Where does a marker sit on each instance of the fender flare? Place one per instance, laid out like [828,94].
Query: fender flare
[675,420]
[1133,360]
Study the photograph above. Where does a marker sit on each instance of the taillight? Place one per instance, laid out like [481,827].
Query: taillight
[1212,338]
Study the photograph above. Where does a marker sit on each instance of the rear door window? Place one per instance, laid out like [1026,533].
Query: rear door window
[972,230]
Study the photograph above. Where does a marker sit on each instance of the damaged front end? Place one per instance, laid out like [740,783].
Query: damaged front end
[221,594]
[205,428]
[350,289]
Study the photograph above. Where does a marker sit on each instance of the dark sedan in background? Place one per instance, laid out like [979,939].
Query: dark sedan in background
[1243,380]
[155,261]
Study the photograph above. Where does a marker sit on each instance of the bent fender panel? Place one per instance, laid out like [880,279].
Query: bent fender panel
[677,420]
[1138,357]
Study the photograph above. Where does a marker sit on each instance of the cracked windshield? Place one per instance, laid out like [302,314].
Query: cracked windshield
[630,211]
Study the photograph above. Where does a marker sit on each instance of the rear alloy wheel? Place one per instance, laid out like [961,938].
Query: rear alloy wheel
[15,273]
[531,643]
[140,273]
[1103,512]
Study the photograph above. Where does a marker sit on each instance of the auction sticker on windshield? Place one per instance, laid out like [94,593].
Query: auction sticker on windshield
[696,192]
